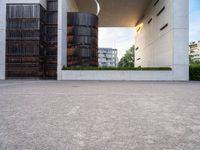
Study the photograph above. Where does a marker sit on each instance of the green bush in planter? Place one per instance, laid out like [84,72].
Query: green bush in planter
[195,72]
[118,68]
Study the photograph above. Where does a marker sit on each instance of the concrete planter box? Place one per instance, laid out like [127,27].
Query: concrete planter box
[117,75]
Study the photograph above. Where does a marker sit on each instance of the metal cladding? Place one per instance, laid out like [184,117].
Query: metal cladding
[25,41]
[51,35]
[82,39]
[31,40]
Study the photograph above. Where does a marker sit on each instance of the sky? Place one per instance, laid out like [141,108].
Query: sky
[194,20]
[123,38]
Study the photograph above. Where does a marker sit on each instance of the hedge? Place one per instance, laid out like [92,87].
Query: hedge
[118,68]
[195,72]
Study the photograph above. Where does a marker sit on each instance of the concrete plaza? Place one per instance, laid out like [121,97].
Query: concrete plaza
[91,115]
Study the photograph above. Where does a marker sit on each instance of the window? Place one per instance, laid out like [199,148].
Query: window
[150,21]
[156,3]
[164,27]
[158,14]
[138,29]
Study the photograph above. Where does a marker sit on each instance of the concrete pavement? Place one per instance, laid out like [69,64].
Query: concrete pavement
[87,115]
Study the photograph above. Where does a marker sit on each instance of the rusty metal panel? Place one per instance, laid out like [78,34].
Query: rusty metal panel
[24,42]
[82,39]
[31,41]
[52,35]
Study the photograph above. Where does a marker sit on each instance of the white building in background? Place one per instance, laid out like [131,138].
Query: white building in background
[107,57]
[195,51]
[161,40]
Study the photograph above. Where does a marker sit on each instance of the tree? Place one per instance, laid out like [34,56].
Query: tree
[128,59]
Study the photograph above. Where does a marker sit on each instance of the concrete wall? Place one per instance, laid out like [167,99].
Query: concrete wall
[118,75]
[64,6]
[181,39]
[169,47]
[2,38]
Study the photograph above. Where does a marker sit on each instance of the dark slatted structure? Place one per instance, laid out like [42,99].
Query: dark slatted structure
[82,39]
[52,28]
[25,43]
[31,41]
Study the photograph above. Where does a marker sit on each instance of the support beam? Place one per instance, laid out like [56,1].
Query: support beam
[64,6]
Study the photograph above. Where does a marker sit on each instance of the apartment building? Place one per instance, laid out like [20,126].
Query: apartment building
[195,51]
[107,57]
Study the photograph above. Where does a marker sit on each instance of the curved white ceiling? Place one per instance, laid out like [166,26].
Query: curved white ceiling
[115,13]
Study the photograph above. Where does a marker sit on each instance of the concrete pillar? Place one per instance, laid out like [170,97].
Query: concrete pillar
[62,40]
[2,38]
[64,6]
[181,39]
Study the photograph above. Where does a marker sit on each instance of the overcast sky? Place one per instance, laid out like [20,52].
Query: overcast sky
[123,38]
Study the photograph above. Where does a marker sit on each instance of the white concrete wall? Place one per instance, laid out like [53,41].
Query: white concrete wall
[2,38]
[155,46]
[167,48]
[118,75]
[64,6]
[181,39]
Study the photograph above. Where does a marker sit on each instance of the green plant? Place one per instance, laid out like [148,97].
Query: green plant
[128,59]
[195,72]
[117,68]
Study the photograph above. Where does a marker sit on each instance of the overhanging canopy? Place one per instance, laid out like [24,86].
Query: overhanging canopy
[116,13]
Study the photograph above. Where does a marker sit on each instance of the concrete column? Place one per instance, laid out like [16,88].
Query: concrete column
[62,34]
[2,38]
[181,39]
[64,6]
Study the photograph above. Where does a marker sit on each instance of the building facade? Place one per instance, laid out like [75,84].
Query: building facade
[31,40]
[107,57]
[195,51]
[162,34]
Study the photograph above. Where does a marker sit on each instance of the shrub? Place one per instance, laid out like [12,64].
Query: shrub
[117,68]
[195,72]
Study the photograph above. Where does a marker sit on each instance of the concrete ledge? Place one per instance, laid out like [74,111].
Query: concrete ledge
[118,75]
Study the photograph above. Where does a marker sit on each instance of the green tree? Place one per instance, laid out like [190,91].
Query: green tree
[128,59]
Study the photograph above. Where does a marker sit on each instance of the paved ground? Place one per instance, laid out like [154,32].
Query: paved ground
[51,115]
